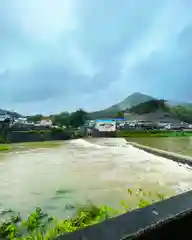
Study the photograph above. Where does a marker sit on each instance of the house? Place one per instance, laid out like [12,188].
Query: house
[46,122]
[105,125]
[4,117]
[158,117]
[21,120]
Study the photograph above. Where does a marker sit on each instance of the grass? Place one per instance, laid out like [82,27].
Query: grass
[180,145]
[152,133]
[45,144]
[29,145]
[40,226]
[4,147]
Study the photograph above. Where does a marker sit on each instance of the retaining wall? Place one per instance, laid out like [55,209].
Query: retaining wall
[105,134]
[16,137]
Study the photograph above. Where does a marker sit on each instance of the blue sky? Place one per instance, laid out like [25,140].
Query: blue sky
[58,55]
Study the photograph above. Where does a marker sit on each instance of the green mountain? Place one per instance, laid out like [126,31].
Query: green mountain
[130,101]
[150,106]
[141,104]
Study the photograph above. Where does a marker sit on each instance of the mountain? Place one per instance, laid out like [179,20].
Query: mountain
[141,104]
[150,106]
[130,101]
[187,105]
[13,114]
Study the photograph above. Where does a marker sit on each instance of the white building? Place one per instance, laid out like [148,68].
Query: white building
[46,122]
[21,120]
[4,116]
[105,126]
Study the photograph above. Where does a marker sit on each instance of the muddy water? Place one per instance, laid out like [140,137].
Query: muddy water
[99,170]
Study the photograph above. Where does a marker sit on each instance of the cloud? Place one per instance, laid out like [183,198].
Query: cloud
[64,54]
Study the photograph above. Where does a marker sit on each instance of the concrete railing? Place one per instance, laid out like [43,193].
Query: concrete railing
[165,220]
[170,155]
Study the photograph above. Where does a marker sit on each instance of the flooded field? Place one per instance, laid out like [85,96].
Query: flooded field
[181,145]
[77,171]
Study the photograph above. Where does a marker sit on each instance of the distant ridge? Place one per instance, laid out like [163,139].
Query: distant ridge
[136,99]
[12,114]
[130,101]
[127,103]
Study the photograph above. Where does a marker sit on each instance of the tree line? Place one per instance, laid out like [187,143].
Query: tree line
[79,117]
[74,119]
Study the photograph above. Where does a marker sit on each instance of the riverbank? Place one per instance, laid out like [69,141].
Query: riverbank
[41,226]
[165,154]
[39,135]
[4,147]
[29,145]
[179,145]
[152,133]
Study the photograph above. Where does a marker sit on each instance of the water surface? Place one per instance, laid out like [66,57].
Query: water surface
[99,170]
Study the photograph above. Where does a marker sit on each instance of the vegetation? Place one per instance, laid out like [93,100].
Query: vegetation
[130,101]
[183,112]
[149,106]
[70,120]
[35,118]
[134,102]
[40,226]
[78,118]
[4,147]
[31,145]
[152,133]
[2,139]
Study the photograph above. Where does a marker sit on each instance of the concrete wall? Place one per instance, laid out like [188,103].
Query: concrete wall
[16,137]
[105,134]
[164,220]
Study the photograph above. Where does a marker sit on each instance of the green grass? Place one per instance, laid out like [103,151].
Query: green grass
[152,133]
[4,147]
[29,145]
[40,226]
[45,144]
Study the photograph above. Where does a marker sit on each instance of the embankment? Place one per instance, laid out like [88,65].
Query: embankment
[141,133]
[165,154]
[38,136]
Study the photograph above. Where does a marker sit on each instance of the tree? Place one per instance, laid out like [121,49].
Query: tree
[182,113]
[149,106]
[120,114]
[35,118]
[62,119]
[78,118]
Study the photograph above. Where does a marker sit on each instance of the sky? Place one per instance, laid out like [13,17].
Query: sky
[61,55]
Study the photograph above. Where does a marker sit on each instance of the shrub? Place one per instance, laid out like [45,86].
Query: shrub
[40,226]
[4,147]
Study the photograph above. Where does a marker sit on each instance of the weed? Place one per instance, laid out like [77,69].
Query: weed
[40,226]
